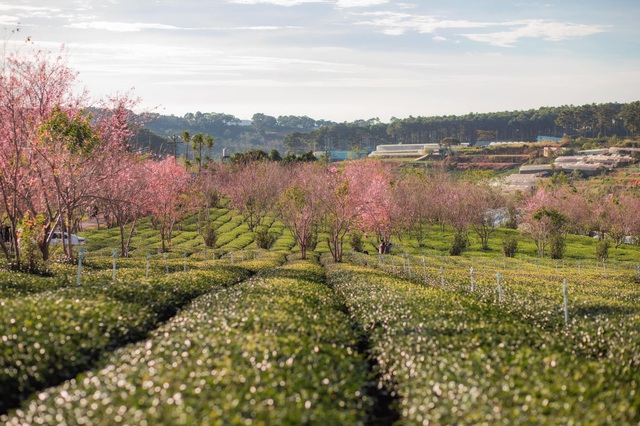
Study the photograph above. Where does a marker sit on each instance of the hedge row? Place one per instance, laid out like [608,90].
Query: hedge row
[51,336]
[454,359]
[276,349]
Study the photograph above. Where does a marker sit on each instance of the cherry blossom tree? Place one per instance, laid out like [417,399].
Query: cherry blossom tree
[121,186]
[413,197]
[299,206]
[253,189]
[483,202]
[372,192]
[169,185]
[620,211]
[55,156]
[339,209]
[32,84]
[126,197]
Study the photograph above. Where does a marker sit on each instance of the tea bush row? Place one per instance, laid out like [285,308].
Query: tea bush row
[604,312]
[52,336]
[454,359]
[276,349]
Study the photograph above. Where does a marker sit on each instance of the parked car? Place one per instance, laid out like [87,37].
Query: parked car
[75,240]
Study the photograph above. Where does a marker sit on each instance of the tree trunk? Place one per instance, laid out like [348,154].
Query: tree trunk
[133,227]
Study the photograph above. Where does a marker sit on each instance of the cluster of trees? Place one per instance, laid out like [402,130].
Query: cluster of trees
[551,212]
[594,120]
[261,155]
[58,161]
[231,132]
[384,202]
[300,133]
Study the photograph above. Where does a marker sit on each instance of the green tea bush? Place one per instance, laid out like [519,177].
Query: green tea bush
[557,246]
[16,283]
[274,350]
[54,335]
[454,358]
[265,238]
[510,246]
[210,236]
[602,249]
[49,337]
[460,242]
[355,241]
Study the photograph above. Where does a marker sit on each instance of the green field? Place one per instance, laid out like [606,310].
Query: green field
[241,335]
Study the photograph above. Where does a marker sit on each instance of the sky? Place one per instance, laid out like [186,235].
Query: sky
[342,60]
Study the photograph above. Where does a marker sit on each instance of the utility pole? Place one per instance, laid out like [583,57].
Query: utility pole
[174,142]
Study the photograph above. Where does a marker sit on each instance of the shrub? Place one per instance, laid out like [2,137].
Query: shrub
[460,243]
[510,246]
[602,249]
[210,236]
[557,245]
[355,240]
[265,238]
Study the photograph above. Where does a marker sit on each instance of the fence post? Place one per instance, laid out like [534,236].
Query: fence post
[166,263]
[146,275]
[566,303]
[80,255]
[424,267]
[185,261]
[442,276]
[499,287]
[472,281]
[115,254]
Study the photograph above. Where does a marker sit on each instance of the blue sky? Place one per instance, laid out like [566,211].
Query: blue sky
[344,59]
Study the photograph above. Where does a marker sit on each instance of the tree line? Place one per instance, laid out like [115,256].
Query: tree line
[301,133]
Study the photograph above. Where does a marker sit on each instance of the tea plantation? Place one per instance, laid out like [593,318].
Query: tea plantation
[241,335]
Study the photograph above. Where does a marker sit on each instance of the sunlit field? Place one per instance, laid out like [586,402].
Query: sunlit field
[241,335]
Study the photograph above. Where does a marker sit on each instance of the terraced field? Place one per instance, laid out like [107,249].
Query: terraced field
[239,335]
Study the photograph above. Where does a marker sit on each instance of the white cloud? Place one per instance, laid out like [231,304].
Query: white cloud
[121,26]
[27,9]
[9,20]
[397,23]
[341,4]
[546,30]
[266,28]
[359,3]
[286,3]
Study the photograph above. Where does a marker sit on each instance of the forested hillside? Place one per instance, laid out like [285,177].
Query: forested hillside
[301,133]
